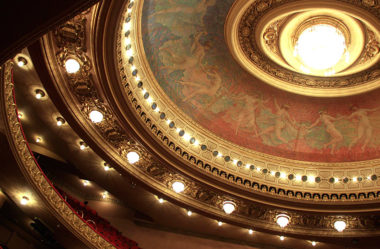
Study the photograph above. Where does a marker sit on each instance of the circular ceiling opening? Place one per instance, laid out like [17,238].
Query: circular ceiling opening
[320,47]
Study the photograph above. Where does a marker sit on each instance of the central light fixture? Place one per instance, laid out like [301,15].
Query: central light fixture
[229,207]
[340,225]
[282,220]
[178,186]
[320,47]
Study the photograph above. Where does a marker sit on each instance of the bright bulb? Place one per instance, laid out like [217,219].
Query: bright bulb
[86,183]
[161,200]
[186,136]
[24,200]
[133,157]
[298,177]
[340,225]
[320,46]
[282,237]
[82,146]
[189,213]
[106,168]
[229,207]
[178,187]
[72,66]
[59,123]
[96,116]
[105,195]
[313,243]
[38,95]
[282,220]
[311,178]
[250,231]
[38,140]
[220,223]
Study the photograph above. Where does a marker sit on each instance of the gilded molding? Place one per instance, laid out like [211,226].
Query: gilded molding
[196,194]
[33,173]
[247,40]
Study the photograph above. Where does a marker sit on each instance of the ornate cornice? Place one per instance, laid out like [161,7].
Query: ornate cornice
[34,174]
[113,138]
[244,42]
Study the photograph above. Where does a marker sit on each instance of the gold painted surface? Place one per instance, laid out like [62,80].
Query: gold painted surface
[246,17]
[326,170]
[33,173]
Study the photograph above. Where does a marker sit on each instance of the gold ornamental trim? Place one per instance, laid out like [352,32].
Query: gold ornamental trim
[218,164]
[30,169]
[246,17]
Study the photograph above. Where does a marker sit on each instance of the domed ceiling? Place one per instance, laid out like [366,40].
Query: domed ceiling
[186,48]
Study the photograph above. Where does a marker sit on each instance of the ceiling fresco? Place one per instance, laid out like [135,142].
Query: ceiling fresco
[185,46]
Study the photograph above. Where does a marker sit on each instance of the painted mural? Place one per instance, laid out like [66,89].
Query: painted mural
[185,46]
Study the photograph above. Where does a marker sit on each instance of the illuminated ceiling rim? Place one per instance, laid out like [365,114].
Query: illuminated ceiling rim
[149,92]
[255,62]
[353,222]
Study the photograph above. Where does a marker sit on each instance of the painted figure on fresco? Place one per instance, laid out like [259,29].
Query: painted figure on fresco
[188,63]
[247,114]
[364,126]
[282,119]
[328,122]
[209,88]
[177,7]
[194,67]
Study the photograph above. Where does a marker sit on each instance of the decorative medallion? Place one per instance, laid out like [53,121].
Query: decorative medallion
[323,49]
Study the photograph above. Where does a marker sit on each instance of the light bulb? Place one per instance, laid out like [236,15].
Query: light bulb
[72,66]
[340,225]
[24,200]
[189,213]
[250,231]
[21,61]
[282,237]
[39,94]
[313,243]
[178,187]
[38,140]
[86,183]
[321,46]
[82,145]
[106,168]
[229,207]
[160,200]
[133,157]
[96,116]
[105,195]
[60,121]
[282,220]
[220,223]
[311,178]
